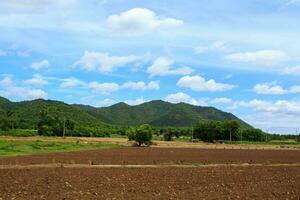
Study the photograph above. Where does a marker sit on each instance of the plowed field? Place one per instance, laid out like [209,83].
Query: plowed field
[277,176]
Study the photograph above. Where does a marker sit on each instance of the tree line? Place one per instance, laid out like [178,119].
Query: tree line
[211,131]
[56,124]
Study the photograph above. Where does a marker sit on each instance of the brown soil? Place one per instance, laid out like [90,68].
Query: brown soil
[41,177]
[151,183]
[135,155]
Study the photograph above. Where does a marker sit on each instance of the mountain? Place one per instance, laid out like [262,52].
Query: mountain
[29,111]
[159,113]
[156,113]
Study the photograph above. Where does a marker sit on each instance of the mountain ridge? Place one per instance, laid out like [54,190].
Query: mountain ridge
[157,113]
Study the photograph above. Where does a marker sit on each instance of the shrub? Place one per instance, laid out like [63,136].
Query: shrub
[141,135]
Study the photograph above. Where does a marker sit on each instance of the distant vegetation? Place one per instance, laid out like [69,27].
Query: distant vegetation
[26,114]
[211,131]
[168,122]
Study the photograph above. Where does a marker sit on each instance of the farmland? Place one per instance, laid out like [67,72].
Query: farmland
[158,172]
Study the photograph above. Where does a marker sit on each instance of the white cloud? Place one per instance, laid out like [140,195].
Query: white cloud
[7,81]
[198,83]
[104,88]
[274,123]
[107,88]
[291,70]
[294,89]
[265,57]
[162,66]
[217,46]
[136,101]
[268,89]
[11,89]
[103,62]
[277,107]
[71,82]
[139,21]
[185,98]
[153,85]
[222,100]
[40,65]
[34,94]
[37,80]
[272,88]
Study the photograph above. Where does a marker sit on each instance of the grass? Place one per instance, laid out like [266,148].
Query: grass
[272,142]
[20,147]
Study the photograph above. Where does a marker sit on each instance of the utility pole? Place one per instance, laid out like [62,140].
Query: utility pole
[230,135]
[241,136]
[192,133]
[64,131]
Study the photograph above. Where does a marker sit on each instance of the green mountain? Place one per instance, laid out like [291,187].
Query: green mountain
[159,113]
[156,113]
[28,112]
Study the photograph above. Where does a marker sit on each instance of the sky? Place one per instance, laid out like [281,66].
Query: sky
[241,57]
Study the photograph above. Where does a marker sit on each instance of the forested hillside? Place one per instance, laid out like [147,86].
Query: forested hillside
[26,114]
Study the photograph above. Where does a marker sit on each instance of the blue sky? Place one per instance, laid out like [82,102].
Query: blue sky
[239,56]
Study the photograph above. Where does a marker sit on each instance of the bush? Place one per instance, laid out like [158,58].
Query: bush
[215,130]
[253,134]
[168,136]
[141,135]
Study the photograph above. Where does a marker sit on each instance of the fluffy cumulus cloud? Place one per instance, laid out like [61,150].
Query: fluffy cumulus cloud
[277,107]
[163,66]
[274,89]
[181,97]
[139,21]
[107,88]
[291,70]
[37,80]
[152,85]
[104,88]
[103,62]
[198,83]
[264,57]
[40,65]
[217,46]
[8,88]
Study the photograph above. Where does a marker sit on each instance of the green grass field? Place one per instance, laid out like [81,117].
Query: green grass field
[14,148]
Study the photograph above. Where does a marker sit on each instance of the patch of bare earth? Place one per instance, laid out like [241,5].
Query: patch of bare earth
[170,173]
[151,183]
[135,155]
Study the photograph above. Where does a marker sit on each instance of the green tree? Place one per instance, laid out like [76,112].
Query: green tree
[70,126]
[253,134]
[141,135]
[230,129]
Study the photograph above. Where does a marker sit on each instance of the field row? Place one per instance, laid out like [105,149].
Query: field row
[151,183]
